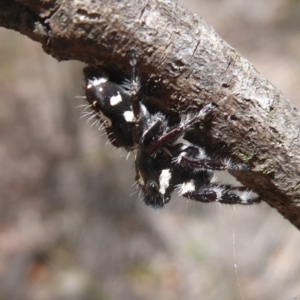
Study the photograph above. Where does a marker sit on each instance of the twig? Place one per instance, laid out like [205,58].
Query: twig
[187,65]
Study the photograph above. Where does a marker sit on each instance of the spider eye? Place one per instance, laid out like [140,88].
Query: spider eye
[152,187]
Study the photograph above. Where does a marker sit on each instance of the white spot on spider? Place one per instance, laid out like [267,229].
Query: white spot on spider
[164,180]
[202,153]
[95,82]
[129,116]
[187,187]
[219,192]
[114,100]
[245,196]
[98,81]
[94,104]
[100,89]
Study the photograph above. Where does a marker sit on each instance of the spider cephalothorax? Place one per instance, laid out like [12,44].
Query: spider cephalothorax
[165,159]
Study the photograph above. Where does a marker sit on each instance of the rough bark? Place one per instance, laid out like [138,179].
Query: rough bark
[184,64]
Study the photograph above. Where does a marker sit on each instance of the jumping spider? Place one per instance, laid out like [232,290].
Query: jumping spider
[165,160]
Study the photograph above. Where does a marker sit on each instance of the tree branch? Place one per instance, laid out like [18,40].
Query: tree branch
[184,64]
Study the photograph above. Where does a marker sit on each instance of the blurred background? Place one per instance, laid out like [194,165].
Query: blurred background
[71,224]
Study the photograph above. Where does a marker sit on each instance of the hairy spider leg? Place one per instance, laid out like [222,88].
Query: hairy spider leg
[150,133]
[135,97]
[176,131]
[193,157]
[216,193]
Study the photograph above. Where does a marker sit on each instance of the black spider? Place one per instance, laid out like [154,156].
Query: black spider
[165,160]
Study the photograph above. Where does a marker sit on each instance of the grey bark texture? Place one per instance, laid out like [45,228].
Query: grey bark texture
[187,65]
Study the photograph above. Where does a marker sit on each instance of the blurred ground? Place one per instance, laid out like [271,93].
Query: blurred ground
[69,226]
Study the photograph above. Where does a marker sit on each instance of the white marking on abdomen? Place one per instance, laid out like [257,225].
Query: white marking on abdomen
[98,81]
[114,100]
[95,82]
[129,116]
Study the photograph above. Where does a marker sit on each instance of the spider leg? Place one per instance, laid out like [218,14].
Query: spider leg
[193,157]
[217,193]
[176,131]
[135,96]
[150,132]
[200,163]
[230,187]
